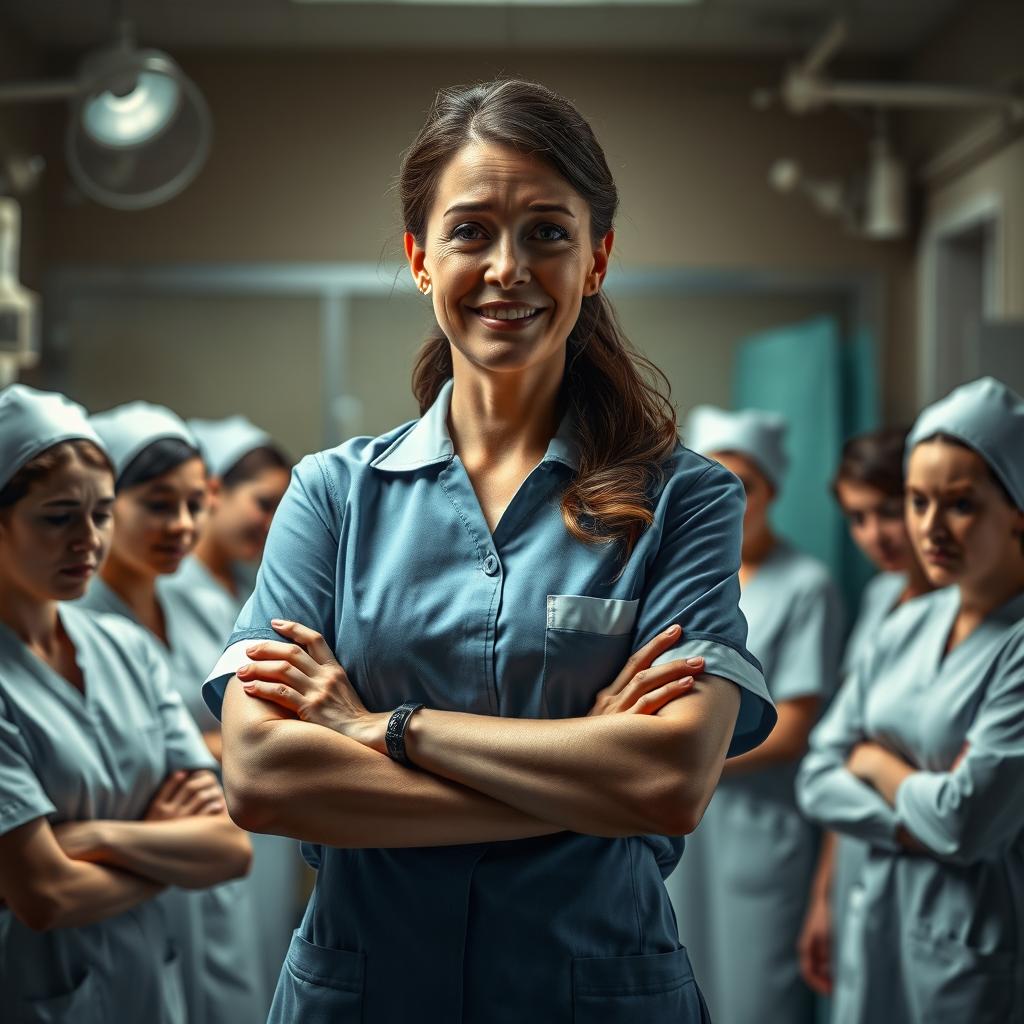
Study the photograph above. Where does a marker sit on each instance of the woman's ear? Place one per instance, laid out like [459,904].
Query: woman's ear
[601,255]
[415,257]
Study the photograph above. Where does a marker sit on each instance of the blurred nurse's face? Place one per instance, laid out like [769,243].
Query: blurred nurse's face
[964,529]
[55,538]
[157,523]
[877,525]
[241,515]
[759,491]
[509,256]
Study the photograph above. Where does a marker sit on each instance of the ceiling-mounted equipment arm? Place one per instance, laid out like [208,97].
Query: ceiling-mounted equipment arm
[805,87]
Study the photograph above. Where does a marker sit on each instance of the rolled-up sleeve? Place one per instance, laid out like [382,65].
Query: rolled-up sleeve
[693,582]
[298,576]
[975,812]
[830,794]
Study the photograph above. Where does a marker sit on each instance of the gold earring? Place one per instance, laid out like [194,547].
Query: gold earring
[425,286]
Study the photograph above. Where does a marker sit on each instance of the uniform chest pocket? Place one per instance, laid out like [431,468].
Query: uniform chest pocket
[586,642]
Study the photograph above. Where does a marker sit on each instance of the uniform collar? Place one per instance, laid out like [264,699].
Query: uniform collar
[427,441]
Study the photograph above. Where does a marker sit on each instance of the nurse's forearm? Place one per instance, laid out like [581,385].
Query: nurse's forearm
[291,778]
[613,775]
[786,743]
[44,888]
[192,853]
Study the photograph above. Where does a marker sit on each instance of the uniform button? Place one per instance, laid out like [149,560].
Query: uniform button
[491,565]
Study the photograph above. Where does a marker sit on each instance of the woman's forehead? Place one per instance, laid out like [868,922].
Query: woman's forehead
[487,173]
[937,461]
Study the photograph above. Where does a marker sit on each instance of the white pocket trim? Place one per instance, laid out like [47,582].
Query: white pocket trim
[607,615]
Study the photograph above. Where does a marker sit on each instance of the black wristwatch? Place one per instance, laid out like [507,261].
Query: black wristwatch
[394,735]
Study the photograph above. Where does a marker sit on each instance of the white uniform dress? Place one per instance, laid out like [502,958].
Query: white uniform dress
[275,878]
[934,937]
[880,597]
[741,888]
[223,987]
[67,755]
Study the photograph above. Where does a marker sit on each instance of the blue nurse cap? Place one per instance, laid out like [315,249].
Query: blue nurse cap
[128,429]
[755,433]
[987,416]
[32,421]
[224,442]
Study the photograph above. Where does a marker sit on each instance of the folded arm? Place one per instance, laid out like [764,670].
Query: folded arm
[45,888]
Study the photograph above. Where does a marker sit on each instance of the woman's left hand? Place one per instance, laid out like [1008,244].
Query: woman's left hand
[863,760]
[305,678]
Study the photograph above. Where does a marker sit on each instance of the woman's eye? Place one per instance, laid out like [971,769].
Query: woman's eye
[160,508]
[963,506]
[266,505]
[57,520]
[552,233]
[101,518]
[195,507]
[918,504]
[856,518]
[467,233]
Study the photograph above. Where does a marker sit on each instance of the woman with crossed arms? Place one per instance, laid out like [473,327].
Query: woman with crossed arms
[458,677]
[106,793]
[922,754]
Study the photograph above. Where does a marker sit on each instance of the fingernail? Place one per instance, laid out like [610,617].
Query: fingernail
[251,650]
[277,622]
[694,662]
[686,681]
[248,686]
[671,631]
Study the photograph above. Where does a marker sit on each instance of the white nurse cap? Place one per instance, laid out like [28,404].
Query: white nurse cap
[130,428]
[224,442]
[757,434]
[988,417]
[32,421]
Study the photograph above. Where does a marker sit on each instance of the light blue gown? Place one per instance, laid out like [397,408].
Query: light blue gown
[937,936]
[73,756]
[225,984]
[381,546]
[740,891]
[275,877]
[878,600]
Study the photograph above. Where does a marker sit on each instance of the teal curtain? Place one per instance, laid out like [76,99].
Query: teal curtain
[826,386]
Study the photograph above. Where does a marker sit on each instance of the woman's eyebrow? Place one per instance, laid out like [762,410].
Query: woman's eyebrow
[533,207]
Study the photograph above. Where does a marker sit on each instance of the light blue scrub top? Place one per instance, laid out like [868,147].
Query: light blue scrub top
[381,545]
[206,611]
[72,756]
[936,936]
[215,926]
[740,891]
[878,600]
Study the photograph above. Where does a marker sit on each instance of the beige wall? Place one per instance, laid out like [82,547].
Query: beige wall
[307,148]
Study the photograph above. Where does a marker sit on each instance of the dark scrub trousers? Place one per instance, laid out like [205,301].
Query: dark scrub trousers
[381,546]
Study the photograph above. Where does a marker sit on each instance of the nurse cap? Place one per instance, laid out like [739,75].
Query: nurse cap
[128,429]
[988,417]
[757,434]
[225,442]
[32,421]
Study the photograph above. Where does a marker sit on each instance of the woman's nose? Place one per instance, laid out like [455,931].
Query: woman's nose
[507,267]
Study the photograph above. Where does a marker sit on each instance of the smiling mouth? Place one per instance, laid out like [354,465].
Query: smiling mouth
[508,313]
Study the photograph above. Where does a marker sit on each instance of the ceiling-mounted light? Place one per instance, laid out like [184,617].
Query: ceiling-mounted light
[871,203]
[139,130]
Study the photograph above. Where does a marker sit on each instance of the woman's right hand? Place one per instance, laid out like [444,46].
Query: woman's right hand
[184,794]
[641,690]
[814,947]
